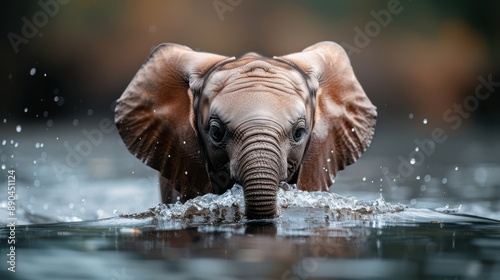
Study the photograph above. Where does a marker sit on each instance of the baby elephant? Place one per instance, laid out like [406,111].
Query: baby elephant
[207,121]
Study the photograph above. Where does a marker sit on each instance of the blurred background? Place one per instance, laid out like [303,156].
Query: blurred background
[426,58]
[64,63]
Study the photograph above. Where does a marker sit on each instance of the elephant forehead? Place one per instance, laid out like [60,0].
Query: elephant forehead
[257,75]
[245,106]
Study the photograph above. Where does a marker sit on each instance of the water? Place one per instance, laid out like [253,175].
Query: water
[100,218]
[352,240]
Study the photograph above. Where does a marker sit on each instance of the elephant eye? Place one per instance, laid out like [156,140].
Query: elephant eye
[299,130]
[216,131]
[299,133]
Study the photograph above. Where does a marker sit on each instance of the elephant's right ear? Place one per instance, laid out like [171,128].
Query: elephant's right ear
[156,120]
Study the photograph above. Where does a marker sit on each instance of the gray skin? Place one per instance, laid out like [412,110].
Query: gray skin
[256,121]
[255,118]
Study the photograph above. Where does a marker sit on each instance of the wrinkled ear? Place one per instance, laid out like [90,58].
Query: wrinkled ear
[344,119]
[155,116]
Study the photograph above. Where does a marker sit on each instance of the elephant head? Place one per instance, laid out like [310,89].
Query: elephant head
[297,118]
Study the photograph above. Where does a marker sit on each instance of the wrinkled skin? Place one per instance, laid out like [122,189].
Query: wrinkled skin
[207,121]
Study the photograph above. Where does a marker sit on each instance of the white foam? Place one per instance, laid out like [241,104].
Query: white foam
[230,207]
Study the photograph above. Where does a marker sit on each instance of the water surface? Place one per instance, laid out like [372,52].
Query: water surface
[101,219]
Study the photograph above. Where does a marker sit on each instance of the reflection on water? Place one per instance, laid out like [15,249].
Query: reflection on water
[317,236]
[144,248]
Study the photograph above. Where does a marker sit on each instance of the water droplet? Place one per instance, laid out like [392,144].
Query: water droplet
[185,172]
[456,167]
[364,178]
[412,161]
[3,166]
[37,145]
[4,120]
[410,116]
[416,149]
[424,121]
[328,160]
[90,112]
[75,122]
[480,175]
[413,201]
[33,71]
[444,181]
[56,98]
[19,128]
[26,110]
[418,177]
[352,129]
[423,188]
[427,178]
[16,144]
[184,142]
[60,101]
[4,142]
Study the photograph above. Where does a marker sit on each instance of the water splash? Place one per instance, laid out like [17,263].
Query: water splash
[448,210]
[209,208]
[230,207]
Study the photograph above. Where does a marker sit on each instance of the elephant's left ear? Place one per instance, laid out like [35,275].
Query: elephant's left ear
[344,118]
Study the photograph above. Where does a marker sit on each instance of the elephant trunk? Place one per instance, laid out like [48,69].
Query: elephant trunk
[259,170]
